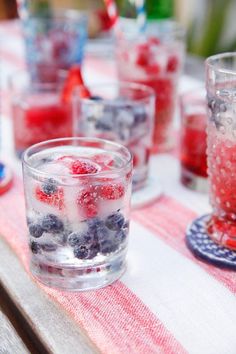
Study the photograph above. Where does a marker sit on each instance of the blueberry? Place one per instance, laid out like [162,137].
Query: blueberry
[120,236]
[93,250]
[126,226]
[35,230]
[49,186]
[94,224]
[95,98]
[79,239]
[140,115]
[81,252]
[35,247]
[108,246]
[102,233]
[51,223]
[105,123]
[115,221]
[49,247]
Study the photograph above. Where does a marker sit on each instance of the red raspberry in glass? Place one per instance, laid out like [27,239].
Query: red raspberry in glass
[154,41]
[87,200]
[112,191]
[172,64]
[83,167]
[55,199]
[153,69]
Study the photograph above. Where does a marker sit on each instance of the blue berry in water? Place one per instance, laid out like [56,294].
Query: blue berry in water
[94,224]
[93,250]
[35,247]
[115,221]
[140,115]
[35,230]
[102,233]
[49,186]
[95,98]
[108,246]
[51,223]
[49,247]
[105,123]
[79,239]
[126,225]
[81,252]
[120,236]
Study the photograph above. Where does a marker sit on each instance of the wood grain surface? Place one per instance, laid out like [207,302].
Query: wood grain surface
[48,326]
[10,342]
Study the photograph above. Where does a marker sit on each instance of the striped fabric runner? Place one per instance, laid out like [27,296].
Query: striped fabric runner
[167,301]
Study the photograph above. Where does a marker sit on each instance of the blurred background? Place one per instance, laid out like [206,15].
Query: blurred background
[210,24]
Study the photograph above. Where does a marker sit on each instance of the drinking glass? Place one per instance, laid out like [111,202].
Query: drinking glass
[221,150]
[38,112]
[77,193]
[193,158]
[120,112]
[54,43]
[154,58]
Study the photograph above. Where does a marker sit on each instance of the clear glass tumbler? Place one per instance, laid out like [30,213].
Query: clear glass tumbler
[120,112]
[154,58]
[221,91]
[38,112]
[54,43]
[193,138]
[77,194]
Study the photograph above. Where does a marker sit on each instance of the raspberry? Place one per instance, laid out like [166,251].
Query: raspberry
[87,200]
[154,41]
[55,199]
[142,59]
[83,167]
[172,64]
[153,69]
[112,191]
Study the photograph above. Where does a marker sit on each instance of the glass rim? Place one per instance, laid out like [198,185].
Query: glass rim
[26,156]
[62,14]
[211,62]
[172,27]
[121,84]
[13,81]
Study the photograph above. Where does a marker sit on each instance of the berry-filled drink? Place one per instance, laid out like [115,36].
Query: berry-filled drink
[77,200]
[38,114]
[54,43]
[155,59]
[193,140]
[123,113]
[221,88]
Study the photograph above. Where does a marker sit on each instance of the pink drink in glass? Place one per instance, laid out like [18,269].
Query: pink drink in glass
[39,114]
[77,201]
[155,59]
[221,88]
[193,141]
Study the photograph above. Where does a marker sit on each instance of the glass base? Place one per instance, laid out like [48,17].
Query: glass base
[204,247]
[193,182]
[151,191]
[74,278]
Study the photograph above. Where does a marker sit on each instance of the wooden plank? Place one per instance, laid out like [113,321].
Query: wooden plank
[10,342]
[49,324]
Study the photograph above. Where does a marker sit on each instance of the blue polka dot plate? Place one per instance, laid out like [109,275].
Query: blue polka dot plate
[202,246]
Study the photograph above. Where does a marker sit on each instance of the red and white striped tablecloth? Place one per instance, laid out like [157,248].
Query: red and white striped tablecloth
[167,301]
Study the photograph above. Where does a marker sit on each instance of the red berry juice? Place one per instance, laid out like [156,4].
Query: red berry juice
[39,117]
